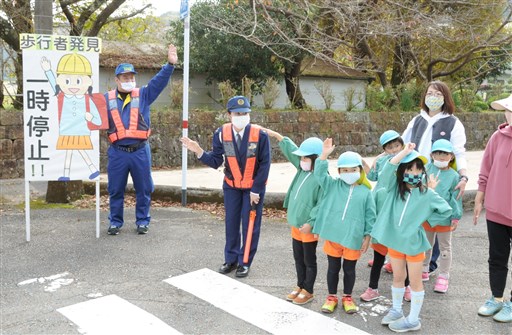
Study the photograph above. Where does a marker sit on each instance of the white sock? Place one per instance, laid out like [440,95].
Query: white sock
[416,303]
[397,295]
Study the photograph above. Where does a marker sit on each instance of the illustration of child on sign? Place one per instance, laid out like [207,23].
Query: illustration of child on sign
[80,111]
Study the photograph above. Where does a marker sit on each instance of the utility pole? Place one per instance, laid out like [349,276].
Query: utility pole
[43,17]
[57,191]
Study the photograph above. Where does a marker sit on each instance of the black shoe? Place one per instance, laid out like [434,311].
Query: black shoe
[113,230]
[242,271]
[142,229]
[227,268]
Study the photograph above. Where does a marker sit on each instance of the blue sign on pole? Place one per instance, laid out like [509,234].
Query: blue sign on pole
[184,9]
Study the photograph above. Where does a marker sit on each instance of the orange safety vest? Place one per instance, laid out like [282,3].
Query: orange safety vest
[133,130]
[246,180]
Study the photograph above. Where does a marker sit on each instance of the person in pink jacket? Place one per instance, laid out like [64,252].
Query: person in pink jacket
[495,191]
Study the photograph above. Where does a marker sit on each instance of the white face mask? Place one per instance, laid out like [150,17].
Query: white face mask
[350,177]
[441,164]
[241,121]
[305,165]
[128,86]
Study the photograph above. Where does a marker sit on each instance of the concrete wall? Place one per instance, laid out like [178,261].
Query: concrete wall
[357,131]
[199,96]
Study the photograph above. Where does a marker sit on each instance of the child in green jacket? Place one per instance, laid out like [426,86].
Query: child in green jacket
[399,227]
[440,167]
[392,143]
[344,220]
[301,202]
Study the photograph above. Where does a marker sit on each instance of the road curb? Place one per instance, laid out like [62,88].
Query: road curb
[196,195]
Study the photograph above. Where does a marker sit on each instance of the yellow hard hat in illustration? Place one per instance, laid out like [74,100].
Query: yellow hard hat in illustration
[74,64]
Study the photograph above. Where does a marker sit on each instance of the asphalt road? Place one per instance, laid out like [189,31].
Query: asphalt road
[134,267]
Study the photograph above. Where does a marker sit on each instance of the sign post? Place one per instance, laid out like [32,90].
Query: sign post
[185,15]
[61,118]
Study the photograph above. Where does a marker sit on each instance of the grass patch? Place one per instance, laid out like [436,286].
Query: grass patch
[41,204]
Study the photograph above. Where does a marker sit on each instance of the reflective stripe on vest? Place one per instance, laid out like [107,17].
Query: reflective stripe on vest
[120,131]
[246,180]
[442,129]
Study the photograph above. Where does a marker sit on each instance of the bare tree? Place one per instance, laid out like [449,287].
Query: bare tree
[396,40]
[85,18]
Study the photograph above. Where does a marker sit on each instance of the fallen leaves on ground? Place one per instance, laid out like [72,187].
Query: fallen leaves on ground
[89,202]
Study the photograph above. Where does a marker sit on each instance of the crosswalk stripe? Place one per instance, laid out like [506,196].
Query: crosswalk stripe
[263,310]
[113,315]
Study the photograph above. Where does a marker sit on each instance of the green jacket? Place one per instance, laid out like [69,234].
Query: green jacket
[304,193]
[374,173]
[399,223]
[346,213]
[448,179]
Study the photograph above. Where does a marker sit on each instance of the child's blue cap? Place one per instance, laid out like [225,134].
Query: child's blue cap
[388,136]
[412,156]
[349,159]
[311,146]
[238,104]
[125,68]
[442,145]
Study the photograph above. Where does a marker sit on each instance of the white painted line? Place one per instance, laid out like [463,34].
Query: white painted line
[113,315]
[263,310]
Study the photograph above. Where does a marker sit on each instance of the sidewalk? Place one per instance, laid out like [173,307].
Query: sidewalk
[206,182]
[281,175]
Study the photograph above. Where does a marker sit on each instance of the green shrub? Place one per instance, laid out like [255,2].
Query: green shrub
[409,96]
[467,100]
[379,99]
[270,92]
[490,99]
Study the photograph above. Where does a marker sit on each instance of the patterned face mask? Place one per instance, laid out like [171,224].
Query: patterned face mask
[413,179]
[434,103]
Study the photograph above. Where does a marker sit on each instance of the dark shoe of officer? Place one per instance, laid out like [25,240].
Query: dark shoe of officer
[142,229]
[242,271]
[227,268]
[113,230]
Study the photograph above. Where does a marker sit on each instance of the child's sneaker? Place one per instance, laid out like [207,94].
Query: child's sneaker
[370,294]
[303,298]
[490,307]
[387,267]
[330,304]
[392,316]
[348,305]
[293,294]
[505,315]
[407,294]
[403,325]
[441,284]
[370,263]
[425,276]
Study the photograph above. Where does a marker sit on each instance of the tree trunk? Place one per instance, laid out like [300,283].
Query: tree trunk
[401,61]
[1,93]
[291,79]
[63,192]
[18,69]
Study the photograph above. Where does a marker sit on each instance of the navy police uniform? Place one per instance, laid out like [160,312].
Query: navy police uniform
[246,170]
[129,152]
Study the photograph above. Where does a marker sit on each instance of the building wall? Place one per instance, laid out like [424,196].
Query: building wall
[199,96]
[356,131]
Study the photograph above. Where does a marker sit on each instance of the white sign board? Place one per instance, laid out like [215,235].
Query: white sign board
[61,114]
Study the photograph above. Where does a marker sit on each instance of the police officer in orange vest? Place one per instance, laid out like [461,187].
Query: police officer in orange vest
[245,151]
[128,133]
